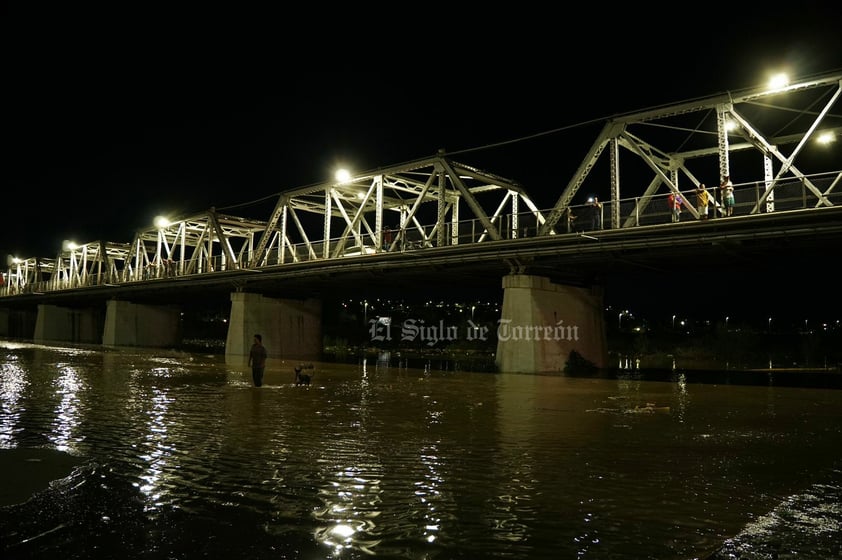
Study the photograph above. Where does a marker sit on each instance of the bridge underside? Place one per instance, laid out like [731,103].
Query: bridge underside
[709,262]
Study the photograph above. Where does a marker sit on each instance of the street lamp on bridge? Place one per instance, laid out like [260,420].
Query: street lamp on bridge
[342,175]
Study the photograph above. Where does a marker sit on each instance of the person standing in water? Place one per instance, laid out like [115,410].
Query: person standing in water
[257,360]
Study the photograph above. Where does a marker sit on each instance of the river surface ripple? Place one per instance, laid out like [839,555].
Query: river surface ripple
[180,457]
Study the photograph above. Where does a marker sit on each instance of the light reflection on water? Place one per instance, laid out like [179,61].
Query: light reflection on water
[189,460]
[68,387]
[13,382]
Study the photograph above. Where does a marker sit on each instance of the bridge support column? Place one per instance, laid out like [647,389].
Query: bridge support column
[132,324]
[64,324]
[291,329]
[18,323]
[542,322]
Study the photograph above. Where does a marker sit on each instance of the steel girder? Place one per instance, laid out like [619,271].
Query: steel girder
[673,140]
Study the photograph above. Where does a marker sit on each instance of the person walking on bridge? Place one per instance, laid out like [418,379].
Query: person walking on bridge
[257,360]
[702,201]
[727,188]
[674,202]
[596,213]
[571,219]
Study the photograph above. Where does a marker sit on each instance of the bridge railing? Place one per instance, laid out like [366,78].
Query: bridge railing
[41,275]
[792,194]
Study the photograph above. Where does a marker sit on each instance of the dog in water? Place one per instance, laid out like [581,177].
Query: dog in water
[302,378]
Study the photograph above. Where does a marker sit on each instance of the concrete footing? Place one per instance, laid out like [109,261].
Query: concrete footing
[542,323]
[291,329]
[132,324]
[65,324]
[18,323]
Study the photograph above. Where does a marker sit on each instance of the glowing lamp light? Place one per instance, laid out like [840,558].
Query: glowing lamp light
[69,245]
[826,138]
[161,222]
[343,175]
[778,81]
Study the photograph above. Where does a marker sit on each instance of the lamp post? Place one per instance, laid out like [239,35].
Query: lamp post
[365,312]
[673,322]
[726,323]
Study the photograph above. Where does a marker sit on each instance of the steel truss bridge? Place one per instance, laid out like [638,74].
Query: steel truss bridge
[438,212]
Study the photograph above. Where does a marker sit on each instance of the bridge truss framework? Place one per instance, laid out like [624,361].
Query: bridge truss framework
[437,202]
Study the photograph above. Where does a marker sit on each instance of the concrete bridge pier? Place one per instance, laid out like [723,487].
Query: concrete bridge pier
[542,322]
[18,323]
[132,324]
[291,329]
[65,324]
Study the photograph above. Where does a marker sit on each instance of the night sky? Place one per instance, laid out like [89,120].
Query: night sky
[116,114]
